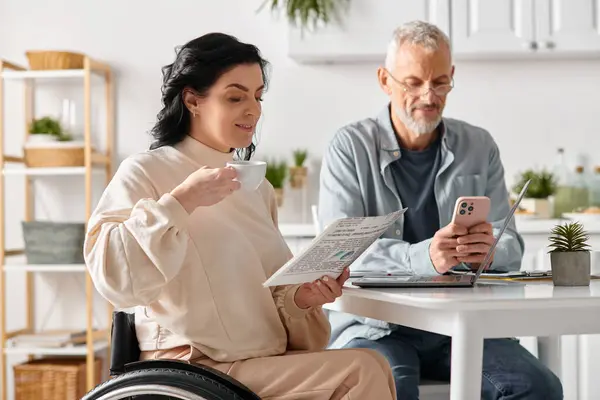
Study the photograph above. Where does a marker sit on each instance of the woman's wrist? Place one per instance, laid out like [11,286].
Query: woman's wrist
[294,308]
[182,195]
[299,298]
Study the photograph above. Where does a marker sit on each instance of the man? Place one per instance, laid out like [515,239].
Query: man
[409,156]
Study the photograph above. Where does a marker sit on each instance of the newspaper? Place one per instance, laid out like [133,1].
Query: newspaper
[333,250]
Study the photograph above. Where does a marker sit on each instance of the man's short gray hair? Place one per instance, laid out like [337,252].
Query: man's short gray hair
[418,33]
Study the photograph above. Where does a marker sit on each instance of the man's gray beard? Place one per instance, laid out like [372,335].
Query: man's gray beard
[419,128]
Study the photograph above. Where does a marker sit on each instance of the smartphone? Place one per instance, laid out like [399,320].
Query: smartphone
[470,211]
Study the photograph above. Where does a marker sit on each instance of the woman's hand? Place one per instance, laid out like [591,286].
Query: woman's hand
[205,187]
[322,291]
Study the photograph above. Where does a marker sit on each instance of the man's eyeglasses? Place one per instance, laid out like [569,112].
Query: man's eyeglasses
[421,90]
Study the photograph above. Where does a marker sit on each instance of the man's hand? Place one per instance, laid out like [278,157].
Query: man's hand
[324,290]
[442,251]
[473,247]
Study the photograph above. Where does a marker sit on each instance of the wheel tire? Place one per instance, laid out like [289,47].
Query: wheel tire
[191,382]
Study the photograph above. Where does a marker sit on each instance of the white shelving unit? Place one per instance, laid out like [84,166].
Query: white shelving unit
[52,74]
[13,261]
[76,350]
[58,171]
[19,264]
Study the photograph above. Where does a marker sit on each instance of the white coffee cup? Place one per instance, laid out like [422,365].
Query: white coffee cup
[249,173]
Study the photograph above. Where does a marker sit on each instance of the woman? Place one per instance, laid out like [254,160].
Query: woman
[173,237]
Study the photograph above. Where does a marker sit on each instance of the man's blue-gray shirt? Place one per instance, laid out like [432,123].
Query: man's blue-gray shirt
[414,175]
[357,180]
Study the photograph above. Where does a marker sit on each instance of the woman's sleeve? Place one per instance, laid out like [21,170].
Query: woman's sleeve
[307,329]
[136,241]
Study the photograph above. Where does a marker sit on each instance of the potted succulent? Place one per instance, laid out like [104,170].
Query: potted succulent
[47,129]
[308,13]
[276,173]
[570,255]
[49,145]
[542,186]
[298,172]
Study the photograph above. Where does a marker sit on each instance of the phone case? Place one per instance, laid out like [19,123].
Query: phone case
[471,210]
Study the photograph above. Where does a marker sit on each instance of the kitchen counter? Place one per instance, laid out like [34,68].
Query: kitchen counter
[525,225]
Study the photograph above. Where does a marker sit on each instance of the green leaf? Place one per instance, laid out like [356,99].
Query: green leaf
[46,125]
[543,184]
[276,173]
[569,237]
[299,157]
[308,13]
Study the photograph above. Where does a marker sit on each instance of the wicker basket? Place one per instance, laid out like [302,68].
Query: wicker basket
[59,154]
[44,60]
[53,379]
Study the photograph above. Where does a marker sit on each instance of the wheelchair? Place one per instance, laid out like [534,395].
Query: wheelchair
[133,379]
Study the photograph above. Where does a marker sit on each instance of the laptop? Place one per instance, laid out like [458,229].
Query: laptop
[405,281]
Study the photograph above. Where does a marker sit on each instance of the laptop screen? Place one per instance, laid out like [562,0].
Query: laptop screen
[507,220]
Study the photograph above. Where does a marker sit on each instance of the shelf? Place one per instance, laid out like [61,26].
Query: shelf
[76,350]
[19,263]
[98,160]
[50,171]
[46,74]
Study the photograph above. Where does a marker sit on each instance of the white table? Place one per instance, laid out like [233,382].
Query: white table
[580,353]
[469,315]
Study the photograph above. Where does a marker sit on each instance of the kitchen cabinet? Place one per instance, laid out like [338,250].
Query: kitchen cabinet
[365,30]
[532,28]
[492,27]
[478,29]
[568,26]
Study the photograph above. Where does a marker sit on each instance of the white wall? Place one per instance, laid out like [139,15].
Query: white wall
[531,108]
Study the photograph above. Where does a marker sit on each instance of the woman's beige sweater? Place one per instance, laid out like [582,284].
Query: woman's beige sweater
[196,278]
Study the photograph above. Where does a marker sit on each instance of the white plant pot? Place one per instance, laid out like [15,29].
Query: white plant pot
[41,138]
[542,208]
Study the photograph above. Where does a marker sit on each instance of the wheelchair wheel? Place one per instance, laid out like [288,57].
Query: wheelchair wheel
[164,383]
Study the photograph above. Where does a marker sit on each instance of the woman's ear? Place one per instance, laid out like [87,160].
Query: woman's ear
[191,101]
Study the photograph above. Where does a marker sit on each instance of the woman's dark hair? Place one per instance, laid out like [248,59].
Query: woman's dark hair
[198,65]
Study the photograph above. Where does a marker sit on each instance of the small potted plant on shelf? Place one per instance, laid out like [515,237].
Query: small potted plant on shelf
[276,173]
[46,129]
[49,145]
[298,172]
[570,255]
[542,186]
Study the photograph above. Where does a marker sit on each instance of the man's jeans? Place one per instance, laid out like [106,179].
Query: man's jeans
[509,371]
